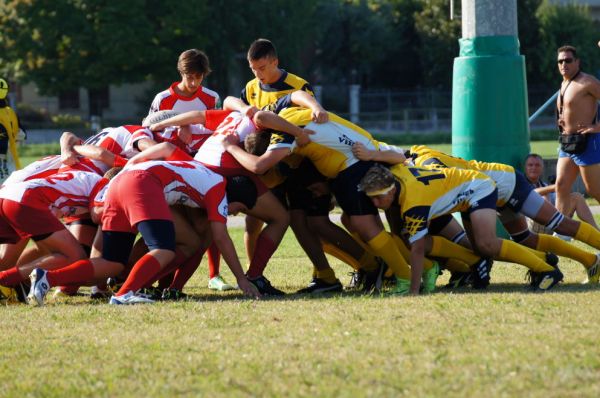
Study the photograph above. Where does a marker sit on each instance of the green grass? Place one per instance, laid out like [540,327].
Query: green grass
[503,342]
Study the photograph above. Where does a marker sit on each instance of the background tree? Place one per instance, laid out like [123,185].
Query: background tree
[569,24]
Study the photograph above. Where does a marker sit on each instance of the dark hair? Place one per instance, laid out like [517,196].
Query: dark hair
[261,48]
[241,189]
[565,49]
[112,172]
[193,61]
[534,155]
[257,143]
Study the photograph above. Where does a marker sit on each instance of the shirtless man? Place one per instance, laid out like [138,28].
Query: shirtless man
[577,108]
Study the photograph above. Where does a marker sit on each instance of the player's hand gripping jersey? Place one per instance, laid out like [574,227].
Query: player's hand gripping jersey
[330,149]
[503,175]
[213,152]
[198,135]
[429,193]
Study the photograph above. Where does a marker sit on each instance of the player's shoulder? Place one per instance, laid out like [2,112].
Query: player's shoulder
[210,92]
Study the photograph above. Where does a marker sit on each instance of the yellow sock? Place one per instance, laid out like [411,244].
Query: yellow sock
[455,265]
[442,247]
[516,253]
[340,254]
[588,234]
[549,243]
[327,274]
[383,246]
[405,251]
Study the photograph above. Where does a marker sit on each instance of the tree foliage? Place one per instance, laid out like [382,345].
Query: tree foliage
[64,44]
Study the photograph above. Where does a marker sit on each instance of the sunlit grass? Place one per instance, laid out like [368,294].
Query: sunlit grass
[506,341]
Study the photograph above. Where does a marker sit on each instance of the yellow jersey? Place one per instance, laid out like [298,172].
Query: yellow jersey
[503,175]
[9,127]
[330,149]
[266,96]
[427,193]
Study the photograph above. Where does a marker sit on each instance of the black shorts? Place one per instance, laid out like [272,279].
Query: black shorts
[345,189]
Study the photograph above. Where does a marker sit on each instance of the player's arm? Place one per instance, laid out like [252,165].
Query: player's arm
[593,88]
[269,120]
[388,156]
[546,190]
[223,241]
[164,150]
[98,153]
[236,104]
[417,255]
[67,155]
[191,117]
[304,99]
[253,163]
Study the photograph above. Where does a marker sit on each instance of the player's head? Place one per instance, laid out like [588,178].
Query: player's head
[241,194]
[263,61]
[258,142]
[379,185]
[193,66]
[3,89]
[568,63]
[534,167]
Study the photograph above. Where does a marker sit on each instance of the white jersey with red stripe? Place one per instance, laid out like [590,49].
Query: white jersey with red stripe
[64,193]
[199,134]
[213,153]
[38,169]
[202,100]
[189,183]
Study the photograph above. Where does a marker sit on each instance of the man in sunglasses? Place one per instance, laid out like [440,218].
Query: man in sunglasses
[579,129]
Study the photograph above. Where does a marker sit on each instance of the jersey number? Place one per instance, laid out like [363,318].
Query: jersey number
[93,140]
[425,178]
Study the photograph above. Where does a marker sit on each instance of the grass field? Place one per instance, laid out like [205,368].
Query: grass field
[504,342]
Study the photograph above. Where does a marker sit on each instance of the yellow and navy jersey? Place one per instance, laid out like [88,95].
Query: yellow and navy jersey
[330,149]
[266,96]
[428,193]
[503,175]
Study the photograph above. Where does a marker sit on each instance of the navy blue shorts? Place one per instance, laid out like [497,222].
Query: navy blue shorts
[520,194]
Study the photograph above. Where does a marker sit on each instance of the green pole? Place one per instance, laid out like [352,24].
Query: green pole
[489,95]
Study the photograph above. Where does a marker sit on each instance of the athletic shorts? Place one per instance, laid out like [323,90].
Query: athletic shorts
[261,188]
[19,221]
[523,189]
[486,202]
[134,196]
[345,189]
[530,207]
[590,156]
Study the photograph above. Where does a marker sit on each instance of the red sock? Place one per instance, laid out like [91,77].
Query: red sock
[187,269]
[79,272]
[11,277]
[143,271]
[262,253]
[214,260]
[166,275]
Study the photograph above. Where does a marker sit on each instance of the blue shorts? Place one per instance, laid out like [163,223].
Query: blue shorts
[590,156]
